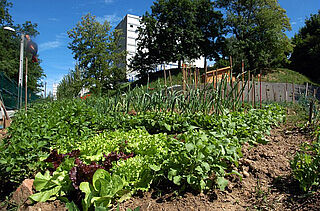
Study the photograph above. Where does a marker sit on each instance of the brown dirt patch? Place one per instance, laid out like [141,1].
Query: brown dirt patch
[267,183]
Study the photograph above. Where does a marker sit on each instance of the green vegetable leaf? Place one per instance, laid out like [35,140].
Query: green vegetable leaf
[222,183]
[168,127]
[41,181]
[172,173]
[45,195]
[155,167]
[189,147]
[71,206]
[176,180]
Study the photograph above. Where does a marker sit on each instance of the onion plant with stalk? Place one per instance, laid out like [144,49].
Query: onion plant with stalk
[213,99]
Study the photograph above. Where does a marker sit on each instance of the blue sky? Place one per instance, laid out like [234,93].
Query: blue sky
[56,17]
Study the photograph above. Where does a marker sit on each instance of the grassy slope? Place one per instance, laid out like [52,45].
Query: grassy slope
[279,75]
[283,75]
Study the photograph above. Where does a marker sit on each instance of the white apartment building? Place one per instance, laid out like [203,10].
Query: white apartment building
[129,26]
[54,90]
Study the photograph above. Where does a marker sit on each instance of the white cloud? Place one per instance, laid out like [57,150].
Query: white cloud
[112,19]
[294,23]
[62,35]
[108,1]
[60,40]
[49,45]
[53,19]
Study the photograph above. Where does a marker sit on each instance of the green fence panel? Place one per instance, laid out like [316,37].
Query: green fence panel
[9,93]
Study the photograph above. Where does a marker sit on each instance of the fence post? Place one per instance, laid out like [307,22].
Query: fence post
[26,84]
[242,69]
[260,91]
[267,93]
[170,78]
[310,111]
[195,77]
[286,92]
[253,91]
[249,90]
[184,77]
[293,93]
[306,90]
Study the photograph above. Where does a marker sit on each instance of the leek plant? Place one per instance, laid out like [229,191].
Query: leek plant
[209,99]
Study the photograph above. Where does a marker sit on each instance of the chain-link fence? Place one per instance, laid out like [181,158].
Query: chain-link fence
[9,93]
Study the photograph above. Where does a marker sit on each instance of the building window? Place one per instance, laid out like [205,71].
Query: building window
[131,26]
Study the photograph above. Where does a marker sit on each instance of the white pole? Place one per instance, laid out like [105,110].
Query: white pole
[20,71]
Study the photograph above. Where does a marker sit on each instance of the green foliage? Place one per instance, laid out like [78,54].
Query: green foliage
[307,48]
[10,49]
[42,127]
[96,48]
[173,139]
[177,31]
[51,187]
[305,165]
[258,29]
[283,75]
[104,188]
[5,17]
[71,84]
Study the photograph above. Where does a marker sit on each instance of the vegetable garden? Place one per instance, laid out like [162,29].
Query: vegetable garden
[95,152]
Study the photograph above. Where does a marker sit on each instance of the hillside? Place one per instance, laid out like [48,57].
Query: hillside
[278,75]
[283,75]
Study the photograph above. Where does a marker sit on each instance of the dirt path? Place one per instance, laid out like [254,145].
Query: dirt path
[267,183]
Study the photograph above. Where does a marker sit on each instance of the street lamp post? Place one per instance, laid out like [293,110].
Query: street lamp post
[20,65]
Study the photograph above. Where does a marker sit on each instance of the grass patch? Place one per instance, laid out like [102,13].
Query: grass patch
[283,75]
[278,75]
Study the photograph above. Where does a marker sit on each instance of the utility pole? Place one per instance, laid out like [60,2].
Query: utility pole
[20,71]
[26,85]
[20,66]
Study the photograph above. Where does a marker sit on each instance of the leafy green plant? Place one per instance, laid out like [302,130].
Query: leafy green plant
[176,137]
[105,187]
[51,187]
[306,166]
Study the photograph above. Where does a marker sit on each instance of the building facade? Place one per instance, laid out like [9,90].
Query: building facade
[129,26]
[54,90]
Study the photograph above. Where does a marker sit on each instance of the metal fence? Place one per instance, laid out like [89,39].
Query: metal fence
[9,93]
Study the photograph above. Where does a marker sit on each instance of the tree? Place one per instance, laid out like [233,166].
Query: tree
[5,17]
[10,49]
[258,30]
[212,28]
[306,52]
[96,48]
[71,84]
[177,31]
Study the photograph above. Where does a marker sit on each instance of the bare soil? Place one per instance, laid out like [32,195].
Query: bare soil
[267,183]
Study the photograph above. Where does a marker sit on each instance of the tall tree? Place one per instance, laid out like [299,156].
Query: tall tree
[10,48]
[5,17]
[96,48]
[71,84]
[306,52]
[211,25]
[258,28]
[178,31]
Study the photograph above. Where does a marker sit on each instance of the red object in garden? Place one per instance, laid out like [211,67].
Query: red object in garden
[85,97]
